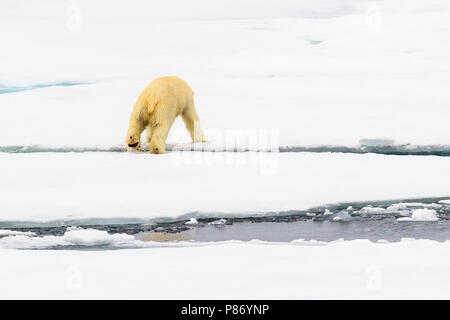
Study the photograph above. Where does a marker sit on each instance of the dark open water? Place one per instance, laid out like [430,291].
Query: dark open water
[370,220]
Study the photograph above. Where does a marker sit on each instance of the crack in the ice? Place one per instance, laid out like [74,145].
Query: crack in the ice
[10,89]
[416,150]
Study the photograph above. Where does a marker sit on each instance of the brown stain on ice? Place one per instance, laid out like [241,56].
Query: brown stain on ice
[162,236]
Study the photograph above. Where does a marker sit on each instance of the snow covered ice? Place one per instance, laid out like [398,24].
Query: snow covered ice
[68,186]
[355,269]
[335,75]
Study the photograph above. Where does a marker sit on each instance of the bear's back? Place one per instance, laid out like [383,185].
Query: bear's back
[169,90]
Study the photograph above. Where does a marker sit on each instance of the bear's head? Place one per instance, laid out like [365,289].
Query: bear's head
[133,140]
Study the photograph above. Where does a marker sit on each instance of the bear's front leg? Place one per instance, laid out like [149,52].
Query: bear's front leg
[157,145]
[149,134]
[161,123]
[158,139]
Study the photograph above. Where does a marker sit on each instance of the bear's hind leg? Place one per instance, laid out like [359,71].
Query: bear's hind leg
[192,123]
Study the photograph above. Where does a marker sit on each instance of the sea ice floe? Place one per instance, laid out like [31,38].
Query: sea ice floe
[79,236]
[73,236]
[343,216]
[218,222]
[419,204]
[402,207]
[372,210]
[303,242]
[4,233]
[421,215]
[192,221]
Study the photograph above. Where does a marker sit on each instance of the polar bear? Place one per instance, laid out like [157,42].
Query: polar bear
[156,109]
